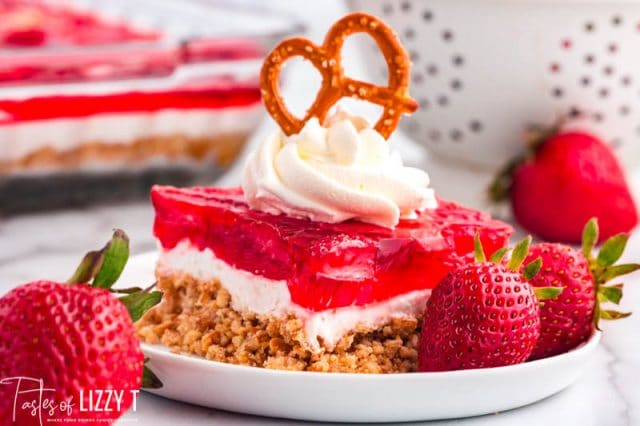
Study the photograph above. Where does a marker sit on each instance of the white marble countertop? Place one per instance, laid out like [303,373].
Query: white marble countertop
[49,246]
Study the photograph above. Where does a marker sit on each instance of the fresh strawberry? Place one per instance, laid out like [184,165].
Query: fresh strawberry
[481,315]
[566,179]
[77,339]
[570,319]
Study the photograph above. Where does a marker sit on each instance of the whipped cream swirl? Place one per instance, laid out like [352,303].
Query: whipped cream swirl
[331,174]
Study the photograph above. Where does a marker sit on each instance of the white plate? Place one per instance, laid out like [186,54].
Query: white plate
[356,397]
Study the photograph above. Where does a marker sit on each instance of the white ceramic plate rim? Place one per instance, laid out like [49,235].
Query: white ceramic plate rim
[161,350]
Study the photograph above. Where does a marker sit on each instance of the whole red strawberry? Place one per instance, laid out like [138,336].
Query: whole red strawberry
[481,315]
[568,178]
[75,341]
[570,319]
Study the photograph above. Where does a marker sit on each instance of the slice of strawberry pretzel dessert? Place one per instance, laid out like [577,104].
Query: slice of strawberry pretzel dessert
[324,259]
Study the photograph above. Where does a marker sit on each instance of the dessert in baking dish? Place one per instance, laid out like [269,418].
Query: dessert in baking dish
[207,121]
[93,108]
[110,127]
[324,259]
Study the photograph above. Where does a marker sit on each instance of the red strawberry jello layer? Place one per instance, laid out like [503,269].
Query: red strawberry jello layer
[334,278]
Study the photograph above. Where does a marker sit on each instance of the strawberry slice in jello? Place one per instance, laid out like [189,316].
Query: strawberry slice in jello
[325,265]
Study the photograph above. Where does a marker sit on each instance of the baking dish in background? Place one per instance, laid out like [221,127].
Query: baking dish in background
[99,100]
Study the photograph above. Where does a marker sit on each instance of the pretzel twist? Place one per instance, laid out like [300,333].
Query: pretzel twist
[327,59]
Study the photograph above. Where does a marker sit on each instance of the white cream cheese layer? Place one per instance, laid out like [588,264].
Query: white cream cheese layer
[254,293]
[343,170]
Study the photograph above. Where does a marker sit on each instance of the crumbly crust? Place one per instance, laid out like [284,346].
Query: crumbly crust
[196,317]
[222,149]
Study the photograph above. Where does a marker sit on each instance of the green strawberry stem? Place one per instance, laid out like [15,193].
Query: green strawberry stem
[546,293]
[115,258]
[519,253]
[88,267]
[136,289]
[149,379]
[130,290]
[590,238]
[612,250]
[498,255]
[139,303]
[478,250]
[500,187]
[532,269]
[102,268]
[604,269]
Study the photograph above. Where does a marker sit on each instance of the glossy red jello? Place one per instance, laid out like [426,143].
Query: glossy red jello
[215,93]
[325,265]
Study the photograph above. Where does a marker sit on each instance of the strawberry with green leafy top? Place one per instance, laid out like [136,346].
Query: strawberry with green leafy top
[483,314]
[570,319]
[76,337]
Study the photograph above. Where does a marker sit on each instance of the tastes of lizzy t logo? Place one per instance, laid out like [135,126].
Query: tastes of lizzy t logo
[32,399]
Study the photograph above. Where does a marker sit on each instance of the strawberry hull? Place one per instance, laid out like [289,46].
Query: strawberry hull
[325,265]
